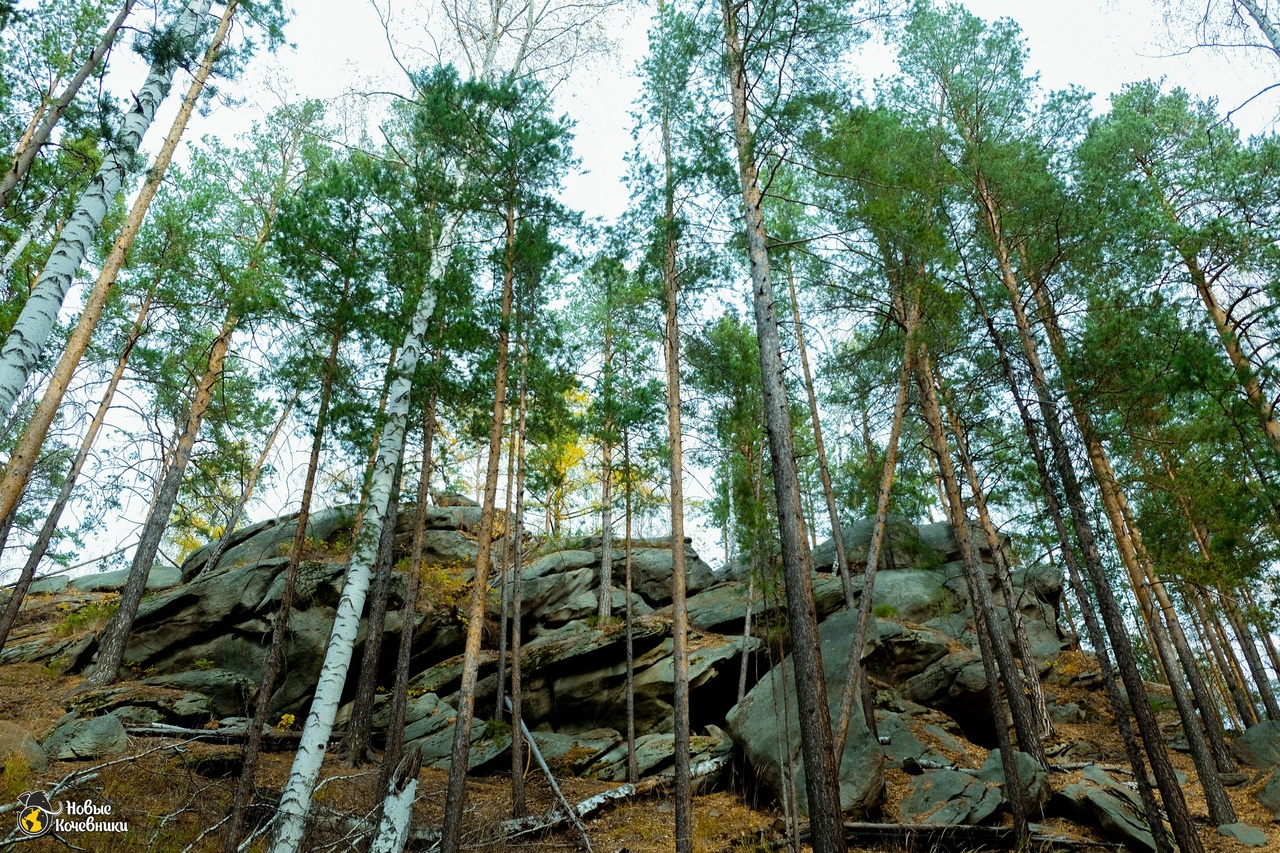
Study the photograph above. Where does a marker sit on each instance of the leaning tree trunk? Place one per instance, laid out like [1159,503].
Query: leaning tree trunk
[23,459]
[824,471]
[115,636]
[394,751]
[1030,670]
[30,332]
[34,226]
[356,743]
[518,807]
[50,527]
[451,831]
[295,799]
[1128,543]
[985,622]
[817,744]
[31,143]
[1185,833]
[275,654]
[1087,612]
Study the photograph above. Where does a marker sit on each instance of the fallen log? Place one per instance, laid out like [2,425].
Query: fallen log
[272,739]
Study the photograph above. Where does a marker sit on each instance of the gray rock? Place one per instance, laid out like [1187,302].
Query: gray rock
[1269,795]
[896,652]
[14,739]
[1068,712]
[948,798]
[754,726]
[161,577]
[95,737]
[1033,780]
[572,755]
[1107,804]
[50,584]
[651,574]
[228,693]
[903,744]
[1259,746]
[1245,834]
[558,561]
[144,704]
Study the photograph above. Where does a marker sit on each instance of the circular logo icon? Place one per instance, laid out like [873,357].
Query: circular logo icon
[35,814]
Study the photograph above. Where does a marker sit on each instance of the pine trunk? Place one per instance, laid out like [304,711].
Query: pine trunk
[356,743]
[50,527]
[633,769]
[115,636]
[30,333]
[996,659]
[451,832]
[518,807]
[1185,834]
[818,746]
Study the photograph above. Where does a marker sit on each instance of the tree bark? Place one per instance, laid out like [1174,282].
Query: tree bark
[34,226]
[30,333]
[1132,554]
[451,837]
[1186,836]
[356,743]
[30,146]
[518,807]
[50,527]
[23,459]
[115,636]
[996,659]
[817,744]
[633,769]
[828,492]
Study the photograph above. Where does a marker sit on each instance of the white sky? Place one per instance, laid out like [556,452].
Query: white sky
[341,47]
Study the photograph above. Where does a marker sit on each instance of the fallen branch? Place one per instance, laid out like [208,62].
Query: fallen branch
[270,739]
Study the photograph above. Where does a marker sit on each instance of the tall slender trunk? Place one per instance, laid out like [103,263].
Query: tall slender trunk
[1233,679]
[817,744]
[356,743]
[275,653]
[1030,670]
[1186,836]
[50,527]
[408,613]
[1129,545]
[246,494]
[828,492]
[32,142]
[1094,630]
[33,228]
[518,807]
[22,460]
[855,673]
[451,832]
[1261,681]
[679,610]
[115,636]
[504,570]
[30,333]
[295,799]
[633,769]
[986,625]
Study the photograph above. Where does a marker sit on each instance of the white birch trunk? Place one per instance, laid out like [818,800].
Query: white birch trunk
[393,828]
[33,227]
[27,340]
[1264,23]
[295,799]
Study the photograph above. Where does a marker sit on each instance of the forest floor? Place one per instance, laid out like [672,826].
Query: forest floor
[171,791]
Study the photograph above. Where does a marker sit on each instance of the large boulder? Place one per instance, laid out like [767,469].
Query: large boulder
[1103,802]
[1033,780]
[755,726]
[948,798]
[160,577]
[80,739]
[1259,747]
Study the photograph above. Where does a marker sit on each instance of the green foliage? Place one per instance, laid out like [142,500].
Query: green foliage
[84,619]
